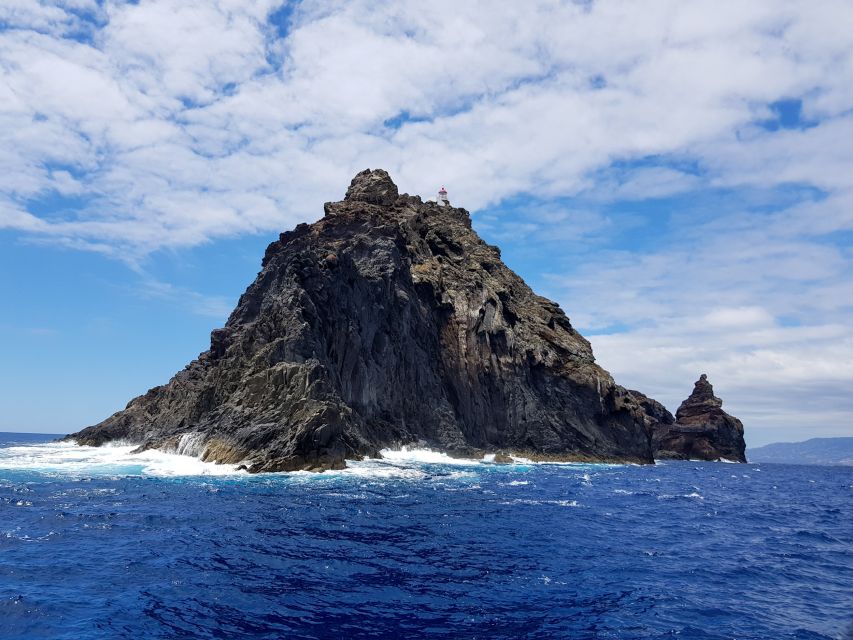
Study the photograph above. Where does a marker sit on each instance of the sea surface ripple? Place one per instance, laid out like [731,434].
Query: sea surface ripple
[98,543]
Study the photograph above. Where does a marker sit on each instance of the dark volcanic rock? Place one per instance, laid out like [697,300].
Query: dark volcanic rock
[701,429]
[654,414]
[374,187]
[387,322]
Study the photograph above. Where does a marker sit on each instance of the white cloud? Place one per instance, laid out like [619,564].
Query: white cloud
[172,124]
[783,382]
[753,300]
[212,306]
[13,218]
[39,16]
[178,99]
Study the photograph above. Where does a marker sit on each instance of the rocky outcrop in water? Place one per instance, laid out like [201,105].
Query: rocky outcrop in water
[701,430]
[387,322]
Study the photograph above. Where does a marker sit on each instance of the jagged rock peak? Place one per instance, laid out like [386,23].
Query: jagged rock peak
[373,186]
[702,400]
[701,430]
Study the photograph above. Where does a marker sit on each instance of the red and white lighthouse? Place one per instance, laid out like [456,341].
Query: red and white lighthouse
[442,197]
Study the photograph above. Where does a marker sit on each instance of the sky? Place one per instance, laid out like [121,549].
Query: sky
[678,175]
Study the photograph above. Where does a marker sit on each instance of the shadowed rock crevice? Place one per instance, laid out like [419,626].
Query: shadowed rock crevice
[387,322]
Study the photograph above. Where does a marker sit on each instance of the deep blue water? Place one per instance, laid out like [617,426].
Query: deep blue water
[97,545]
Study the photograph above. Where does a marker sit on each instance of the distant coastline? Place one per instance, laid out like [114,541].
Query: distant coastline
[816,451]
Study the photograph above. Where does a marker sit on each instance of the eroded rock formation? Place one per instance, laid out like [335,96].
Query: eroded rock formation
[701,430]
[386,322]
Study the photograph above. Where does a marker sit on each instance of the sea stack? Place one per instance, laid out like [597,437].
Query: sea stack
[701,429]
[388,322]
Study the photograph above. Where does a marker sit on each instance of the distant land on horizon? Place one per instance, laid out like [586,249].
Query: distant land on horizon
[823,451]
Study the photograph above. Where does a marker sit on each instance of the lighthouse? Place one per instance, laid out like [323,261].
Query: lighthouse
[442,197]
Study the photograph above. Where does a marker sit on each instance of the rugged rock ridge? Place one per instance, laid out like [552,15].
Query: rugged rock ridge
[386,322]
[701,430]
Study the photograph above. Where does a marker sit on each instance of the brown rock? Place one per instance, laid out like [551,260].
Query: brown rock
[701,430]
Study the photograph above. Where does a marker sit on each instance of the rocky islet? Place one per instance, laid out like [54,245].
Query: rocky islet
[701,430]
[389,322]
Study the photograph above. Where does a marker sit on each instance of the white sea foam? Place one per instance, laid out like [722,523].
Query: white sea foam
[693,496]
[407,464]
[426,456]
[564,503]
[559,503]
[430,456]
[67,458]
[456,475]
[377,470]
[116,459]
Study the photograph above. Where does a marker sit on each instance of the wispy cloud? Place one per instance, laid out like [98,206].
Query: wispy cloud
[212,306]
[29,331]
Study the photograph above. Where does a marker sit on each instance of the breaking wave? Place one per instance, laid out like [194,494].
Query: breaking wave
[118,459]
[67,458]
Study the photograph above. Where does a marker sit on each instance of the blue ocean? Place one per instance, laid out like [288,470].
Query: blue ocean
[99,543]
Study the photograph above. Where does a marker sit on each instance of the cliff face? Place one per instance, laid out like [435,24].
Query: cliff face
[701,429]
[387,322]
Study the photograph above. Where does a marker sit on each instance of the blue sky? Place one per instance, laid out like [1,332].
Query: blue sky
[679,176]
